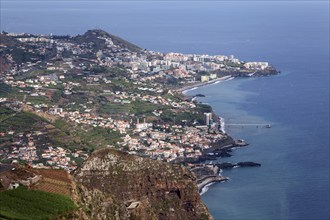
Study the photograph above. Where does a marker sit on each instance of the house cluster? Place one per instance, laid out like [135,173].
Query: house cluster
[127,97]
[170,142]
[23,148]
[27,147]
[97,121]
[256,65]
[152,65]
[38,81]
[12,176]
[58,157]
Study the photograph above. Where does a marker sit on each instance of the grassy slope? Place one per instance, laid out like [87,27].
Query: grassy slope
[22,203]
[63,134]
[18,121]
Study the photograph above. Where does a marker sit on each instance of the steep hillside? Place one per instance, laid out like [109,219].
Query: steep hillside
[116,185]
[97,37]
[8,41]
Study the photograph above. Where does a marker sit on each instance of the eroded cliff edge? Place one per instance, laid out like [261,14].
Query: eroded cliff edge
[115,185]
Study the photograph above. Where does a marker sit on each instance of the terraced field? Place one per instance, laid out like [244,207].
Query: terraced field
[54,181]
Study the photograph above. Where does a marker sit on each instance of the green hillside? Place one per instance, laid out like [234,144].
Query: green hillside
[22,203]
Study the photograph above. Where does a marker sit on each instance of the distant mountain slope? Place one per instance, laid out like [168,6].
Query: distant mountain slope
[94,36]
[8,41]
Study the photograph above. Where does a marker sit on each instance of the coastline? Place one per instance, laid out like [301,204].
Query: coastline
[190,87]
[207,174]
[221,148]
[218,149]
[229,75]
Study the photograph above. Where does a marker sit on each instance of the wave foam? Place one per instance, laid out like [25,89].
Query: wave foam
[188,90]
[222,124]
[205,188]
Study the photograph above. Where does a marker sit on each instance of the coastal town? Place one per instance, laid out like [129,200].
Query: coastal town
[96,90]
[164,110]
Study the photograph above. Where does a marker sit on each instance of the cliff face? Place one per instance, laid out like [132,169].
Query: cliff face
[116,185]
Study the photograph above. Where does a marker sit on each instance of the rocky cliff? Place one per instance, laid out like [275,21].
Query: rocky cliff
[116,185]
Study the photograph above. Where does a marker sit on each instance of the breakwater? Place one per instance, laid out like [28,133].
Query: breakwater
[209,179]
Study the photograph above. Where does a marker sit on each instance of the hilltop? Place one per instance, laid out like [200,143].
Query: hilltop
[98,36]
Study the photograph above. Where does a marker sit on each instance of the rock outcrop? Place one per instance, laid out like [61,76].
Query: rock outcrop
[115,185]
[239,164]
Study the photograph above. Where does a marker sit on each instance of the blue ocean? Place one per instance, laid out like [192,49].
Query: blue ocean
[293,181]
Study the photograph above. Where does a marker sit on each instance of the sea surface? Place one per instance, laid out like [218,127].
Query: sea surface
[293,181]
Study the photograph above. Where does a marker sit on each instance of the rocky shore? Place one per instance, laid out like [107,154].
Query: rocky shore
[239,164]
[222,148]
[206,174]
[210,173]
[210,179]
